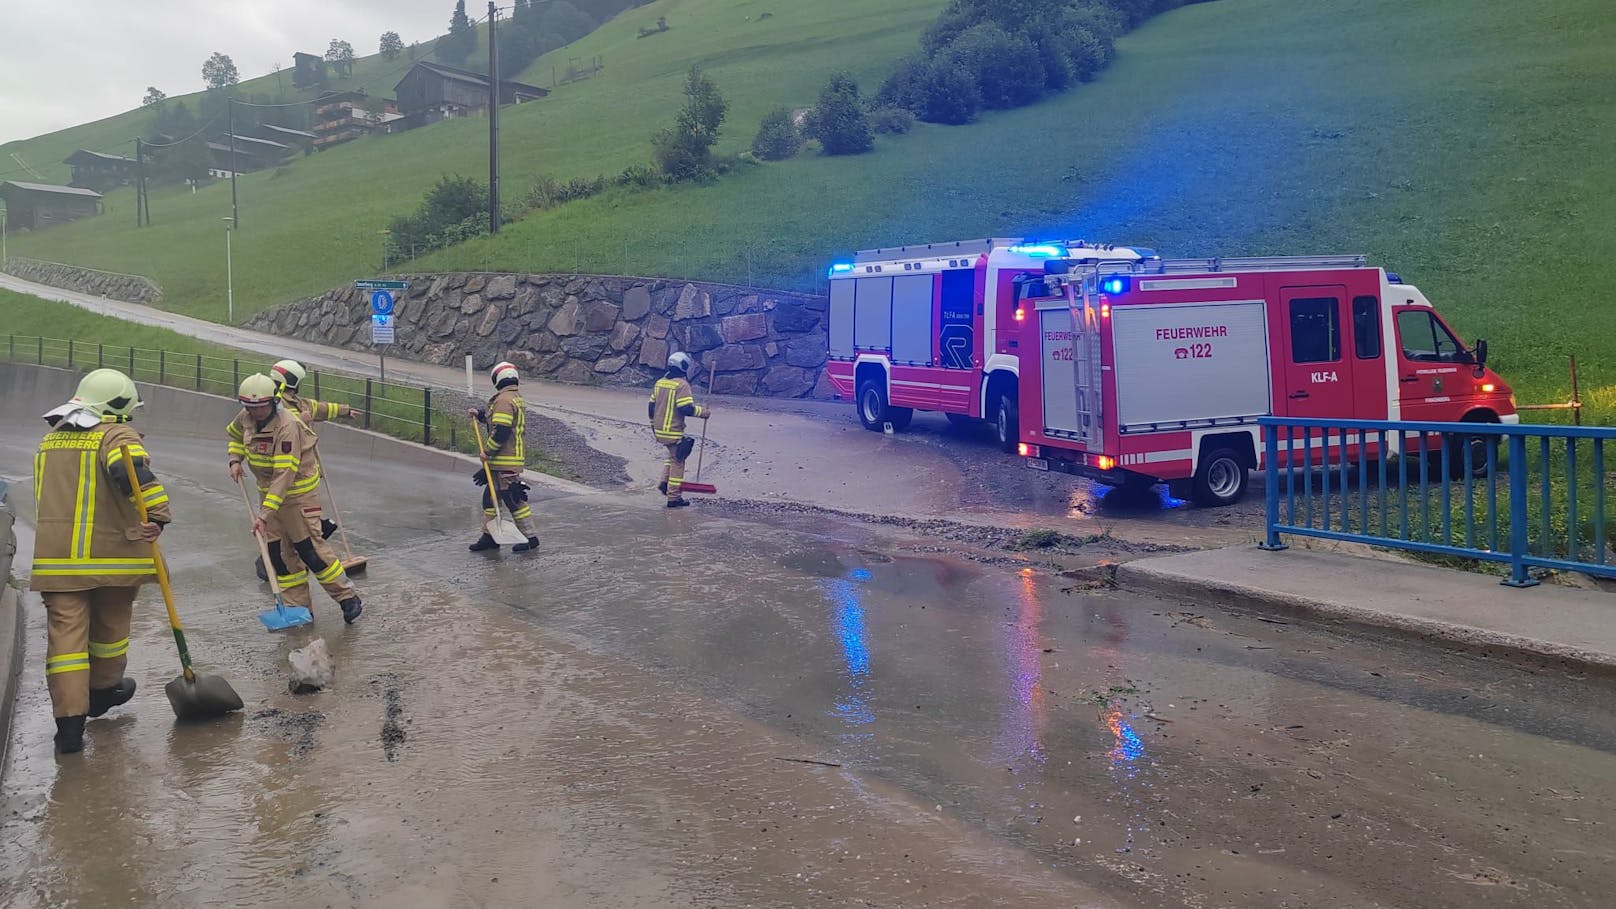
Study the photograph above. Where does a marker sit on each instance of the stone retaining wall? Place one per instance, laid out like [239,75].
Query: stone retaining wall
[129,288]
[585,329]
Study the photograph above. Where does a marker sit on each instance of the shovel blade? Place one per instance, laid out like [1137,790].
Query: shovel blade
[706,488]
[283,617]
[504,532]
[207,697]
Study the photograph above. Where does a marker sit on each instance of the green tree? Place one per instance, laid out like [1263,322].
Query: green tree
[684,151]
[778,137]
[391,45]
[219,72]
[154,97]
[341,56]
[457,46]
[839,121]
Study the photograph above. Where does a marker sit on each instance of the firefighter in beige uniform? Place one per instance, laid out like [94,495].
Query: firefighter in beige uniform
[505,451]
[671,402]
[278,448]
[91,551]
[289,376]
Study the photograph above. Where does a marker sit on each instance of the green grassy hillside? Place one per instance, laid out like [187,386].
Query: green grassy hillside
[1463,143]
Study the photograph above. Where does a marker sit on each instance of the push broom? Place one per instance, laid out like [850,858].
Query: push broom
[282,616]
[193,695]
[350,563]
[696,485]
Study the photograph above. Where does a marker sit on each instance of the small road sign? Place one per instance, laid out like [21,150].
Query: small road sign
[382,285]
[381,329]
[381,303]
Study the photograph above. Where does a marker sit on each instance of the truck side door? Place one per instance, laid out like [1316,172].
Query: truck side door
[1431,365]
[1317,380]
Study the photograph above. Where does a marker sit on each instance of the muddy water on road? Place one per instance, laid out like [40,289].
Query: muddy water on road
[664,708]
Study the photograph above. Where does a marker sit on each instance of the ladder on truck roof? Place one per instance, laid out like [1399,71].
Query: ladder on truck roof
[935,250]
[1235,263]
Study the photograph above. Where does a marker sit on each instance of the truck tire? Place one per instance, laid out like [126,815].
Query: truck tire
[1454,451]
[1007,424]
[875,413]
[1220,479]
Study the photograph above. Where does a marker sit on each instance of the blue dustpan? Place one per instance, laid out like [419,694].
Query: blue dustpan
[283,616]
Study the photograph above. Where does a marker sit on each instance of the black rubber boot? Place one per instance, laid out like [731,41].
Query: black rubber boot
[327,528]
[351,609]
[69,734]
[104,699]
[678,503]
[484,542]
[662,487]
[531,544]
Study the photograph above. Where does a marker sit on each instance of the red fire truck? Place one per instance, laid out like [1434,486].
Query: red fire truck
[1144,370]
[938,327]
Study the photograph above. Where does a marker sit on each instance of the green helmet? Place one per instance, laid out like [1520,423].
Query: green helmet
[256,389]
[109,393]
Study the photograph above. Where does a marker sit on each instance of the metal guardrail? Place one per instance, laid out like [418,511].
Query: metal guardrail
[404,411]
[1476,491]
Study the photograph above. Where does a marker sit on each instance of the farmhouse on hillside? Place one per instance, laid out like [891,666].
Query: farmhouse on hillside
[100,171]
[297,139]
[430,92]
[250,154]
[343,116]
[34,206]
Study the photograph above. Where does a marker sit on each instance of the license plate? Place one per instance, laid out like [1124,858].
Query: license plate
[1038,463]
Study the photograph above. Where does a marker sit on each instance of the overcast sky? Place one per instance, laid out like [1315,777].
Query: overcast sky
[65,62]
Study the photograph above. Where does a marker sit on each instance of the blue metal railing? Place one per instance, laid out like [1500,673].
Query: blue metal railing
[1446,489]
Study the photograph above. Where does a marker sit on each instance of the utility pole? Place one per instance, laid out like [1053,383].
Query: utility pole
[229,276]
[230,105]
[142,216]
[493,121]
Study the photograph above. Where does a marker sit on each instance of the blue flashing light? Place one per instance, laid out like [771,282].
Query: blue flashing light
[1039,250]
[841,268]
[1114,285]
[1393,277]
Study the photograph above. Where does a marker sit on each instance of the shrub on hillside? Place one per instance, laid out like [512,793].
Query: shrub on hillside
[892,120]
[1007,68]
[777,137]
[684,151]
[450,212]
[838,121]
[952,96]
[906,87]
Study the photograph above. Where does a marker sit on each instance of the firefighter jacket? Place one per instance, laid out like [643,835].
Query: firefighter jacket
[87,510]
[671,402]
[507,430]
[310,410]
[280,454]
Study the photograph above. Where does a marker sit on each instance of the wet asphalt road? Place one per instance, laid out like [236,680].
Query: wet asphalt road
[685,709]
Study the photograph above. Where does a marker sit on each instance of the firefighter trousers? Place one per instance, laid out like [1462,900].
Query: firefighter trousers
[296,549]
[515,498]
[87,642]
[673,469]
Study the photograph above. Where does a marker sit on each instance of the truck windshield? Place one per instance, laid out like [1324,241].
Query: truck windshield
[1426,340]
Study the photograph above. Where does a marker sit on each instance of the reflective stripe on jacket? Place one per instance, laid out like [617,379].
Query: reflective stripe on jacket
[506,408]
[280,455]
[82,539]
[310,410]
[668,397]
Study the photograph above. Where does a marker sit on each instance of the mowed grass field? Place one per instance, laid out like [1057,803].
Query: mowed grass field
[1462,143]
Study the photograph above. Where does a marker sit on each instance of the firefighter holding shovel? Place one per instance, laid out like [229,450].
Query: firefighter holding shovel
[504,457]
[671,402]
[92,551]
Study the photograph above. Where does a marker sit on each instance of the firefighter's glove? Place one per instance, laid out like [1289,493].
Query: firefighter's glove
[480,478]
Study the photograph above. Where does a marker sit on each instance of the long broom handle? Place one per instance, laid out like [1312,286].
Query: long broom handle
[711,375]
[263,550]
[162,569]
[342,527]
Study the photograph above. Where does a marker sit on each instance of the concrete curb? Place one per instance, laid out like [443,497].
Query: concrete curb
[1141,576]
[12,628]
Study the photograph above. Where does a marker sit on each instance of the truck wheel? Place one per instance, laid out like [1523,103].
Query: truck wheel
[872,406]
[1455,450]
[1007,424]
[1220,480]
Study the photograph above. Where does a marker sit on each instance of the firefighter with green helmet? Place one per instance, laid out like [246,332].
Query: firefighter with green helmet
[92,552]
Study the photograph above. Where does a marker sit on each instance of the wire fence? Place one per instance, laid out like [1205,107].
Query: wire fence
[415,413]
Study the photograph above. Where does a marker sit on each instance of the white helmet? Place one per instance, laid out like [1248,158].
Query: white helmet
[256,389]
[289,373]
[681,361]
[109,393]
[503,373]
